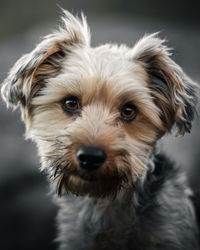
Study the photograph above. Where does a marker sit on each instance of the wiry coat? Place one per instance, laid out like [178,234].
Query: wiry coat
[158,214]
[137,199]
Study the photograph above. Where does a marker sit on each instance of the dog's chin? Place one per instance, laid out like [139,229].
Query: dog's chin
[92,187]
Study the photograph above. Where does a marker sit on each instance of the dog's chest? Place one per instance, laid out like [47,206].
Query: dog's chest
[121,233]
[112,227]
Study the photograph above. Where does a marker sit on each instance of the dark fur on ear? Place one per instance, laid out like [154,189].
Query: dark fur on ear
[29,73]
[173,91]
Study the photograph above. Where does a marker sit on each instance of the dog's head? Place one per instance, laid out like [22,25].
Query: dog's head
[96,113]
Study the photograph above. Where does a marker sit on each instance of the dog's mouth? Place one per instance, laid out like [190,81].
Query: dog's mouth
[87,177]
[94,184]
[92,178]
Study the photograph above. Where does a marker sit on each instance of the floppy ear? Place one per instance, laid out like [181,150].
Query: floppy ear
[29,73]
[173,91]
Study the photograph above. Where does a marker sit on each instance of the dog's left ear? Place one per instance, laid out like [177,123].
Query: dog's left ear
[173,91]
[31,71]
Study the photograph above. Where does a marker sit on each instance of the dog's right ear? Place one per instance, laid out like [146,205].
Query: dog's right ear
[29,73]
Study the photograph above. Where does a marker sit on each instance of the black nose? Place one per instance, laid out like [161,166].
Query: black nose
[91,158]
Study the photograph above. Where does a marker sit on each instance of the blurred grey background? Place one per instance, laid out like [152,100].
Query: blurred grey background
[27,214]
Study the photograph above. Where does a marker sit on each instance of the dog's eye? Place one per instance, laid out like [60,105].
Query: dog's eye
[128,112]
[71,104]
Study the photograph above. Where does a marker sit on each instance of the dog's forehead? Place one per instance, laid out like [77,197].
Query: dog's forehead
[110,66]
[106,62]
[103,73]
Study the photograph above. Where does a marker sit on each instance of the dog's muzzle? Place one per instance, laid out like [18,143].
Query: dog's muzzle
[91,158]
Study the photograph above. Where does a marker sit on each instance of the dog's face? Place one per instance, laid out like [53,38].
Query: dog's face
[96,113]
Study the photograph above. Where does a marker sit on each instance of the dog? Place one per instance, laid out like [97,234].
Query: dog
[96,115]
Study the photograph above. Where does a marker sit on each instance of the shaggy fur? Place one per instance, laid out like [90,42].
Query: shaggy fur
[137,199]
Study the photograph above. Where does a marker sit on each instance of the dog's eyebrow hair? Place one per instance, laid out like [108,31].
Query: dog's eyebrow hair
[56,92]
